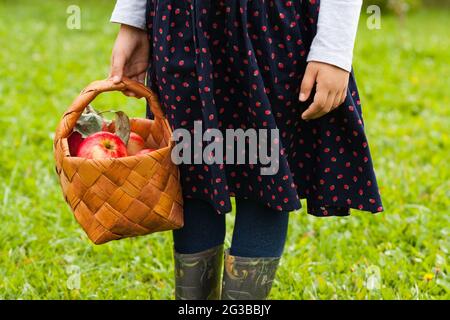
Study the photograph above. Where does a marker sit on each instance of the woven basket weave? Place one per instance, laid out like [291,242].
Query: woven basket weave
[121,197]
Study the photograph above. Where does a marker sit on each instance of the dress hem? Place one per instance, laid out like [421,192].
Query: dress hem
[320,211]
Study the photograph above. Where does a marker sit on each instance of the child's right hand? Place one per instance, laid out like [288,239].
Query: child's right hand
[130,55]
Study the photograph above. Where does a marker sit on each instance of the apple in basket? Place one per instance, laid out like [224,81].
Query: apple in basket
[75,139]
[102,145]
[135,144]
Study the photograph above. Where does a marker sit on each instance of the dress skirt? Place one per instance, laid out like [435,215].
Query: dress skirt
[238,64]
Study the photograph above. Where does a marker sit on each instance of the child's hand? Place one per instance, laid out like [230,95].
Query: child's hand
[130,55]
[331,88]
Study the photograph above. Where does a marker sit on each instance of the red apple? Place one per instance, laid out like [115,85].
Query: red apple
[145,151]
[102,145]
[75,139]
[135,144]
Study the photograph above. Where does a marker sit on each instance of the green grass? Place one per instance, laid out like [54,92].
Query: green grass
[403,73]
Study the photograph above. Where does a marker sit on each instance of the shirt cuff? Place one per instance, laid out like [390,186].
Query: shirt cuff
[130,12]
[341,60]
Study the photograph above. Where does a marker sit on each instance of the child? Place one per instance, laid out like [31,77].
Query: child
[252,64]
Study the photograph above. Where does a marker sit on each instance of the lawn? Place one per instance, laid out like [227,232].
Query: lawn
[403,73]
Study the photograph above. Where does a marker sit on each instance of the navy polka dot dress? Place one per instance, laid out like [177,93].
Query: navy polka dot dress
[239,64]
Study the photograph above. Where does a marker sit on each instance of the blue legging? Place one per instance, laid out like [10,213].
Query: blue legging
[258,230]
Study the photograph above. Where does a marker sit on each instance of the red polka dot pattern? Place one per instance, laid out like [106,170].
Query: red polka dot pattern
[239,64]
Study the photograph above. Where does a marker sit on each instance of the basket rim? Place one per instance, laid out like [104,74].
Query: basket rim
[73,113]
[112,121]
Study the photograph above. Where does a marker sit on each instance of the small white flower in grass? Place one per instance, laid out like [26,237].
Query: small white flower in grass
[69,258]
[440,260]
[27,289]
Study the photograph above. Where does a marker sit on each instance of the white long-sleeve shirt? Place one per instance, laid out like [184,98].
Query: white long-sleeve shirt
[333,43]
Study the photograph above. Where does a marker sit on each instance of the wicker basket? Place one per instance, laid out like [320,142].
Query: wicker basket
[121,197]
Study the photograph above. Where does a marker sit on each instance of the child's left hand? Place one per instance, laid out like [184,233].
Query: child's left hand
[331,88]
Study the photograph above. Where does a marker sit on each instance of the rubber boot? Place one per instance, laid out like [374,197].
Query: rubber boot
[197,276]
[248,278]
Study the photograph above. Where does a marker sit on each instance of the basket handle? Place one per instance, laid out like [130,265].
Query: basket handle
[74,112]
